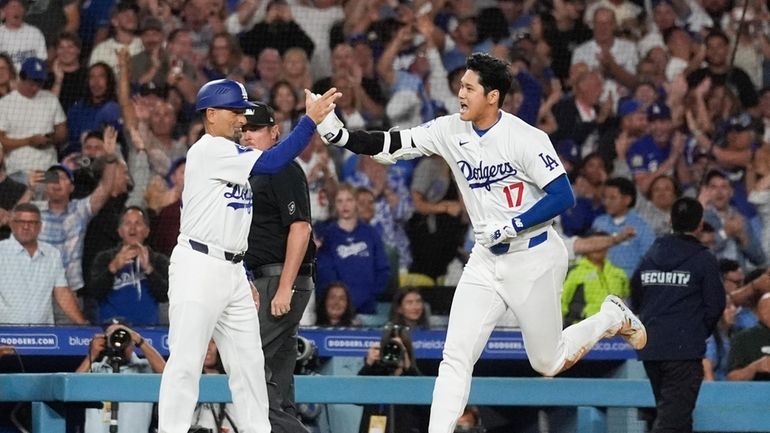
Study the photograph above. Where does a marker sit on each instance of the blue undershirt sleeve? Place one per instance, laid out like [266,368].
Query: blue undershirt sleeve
[559,197]
[273,160]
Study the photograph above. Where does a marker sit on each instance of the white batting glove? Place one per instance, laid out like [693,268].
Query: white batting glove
[330,126]
[489,236]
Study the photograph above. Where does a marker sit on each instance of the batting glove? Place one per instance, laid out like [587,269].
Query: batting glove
[330,127]
[495,234]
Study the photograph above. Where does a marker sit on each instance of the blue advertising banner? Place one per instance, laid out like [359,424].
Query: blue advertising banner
[350,342]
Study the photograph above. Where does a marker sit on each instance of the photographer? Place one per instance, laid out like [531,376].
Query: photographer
[116,348]
[393,356]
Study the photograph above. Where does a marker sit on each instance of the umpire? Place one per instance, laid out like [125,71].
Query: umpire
[281,257]
[678,293]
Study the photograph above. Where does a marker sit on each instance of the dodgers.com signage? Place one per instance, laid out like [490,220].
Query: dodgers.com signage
[350,342]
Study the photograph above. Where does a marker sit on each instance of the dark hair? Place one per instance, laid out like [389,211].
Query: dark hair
[94,133]
[707,227]
[625,186]
[9,61]
[138,209]
[273,90]
[590,156]
[26,207]
[494,74]
[712,174]
[716,33]
[686,215]
[362,190]
[728,265]
[69,36]
[322,318]
[174,33]
[658,178]
[110,94]
[398,318]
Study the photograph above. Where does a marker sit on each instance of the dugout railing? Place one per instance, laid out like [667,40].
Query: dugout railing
[722,406]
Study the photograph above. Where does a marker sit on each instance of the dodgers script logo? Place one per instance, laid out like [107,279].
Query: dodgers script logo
[242,195]
[485,175]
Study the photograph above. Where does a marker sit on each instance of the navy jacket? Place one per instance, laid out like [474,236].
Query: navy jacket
[678,294]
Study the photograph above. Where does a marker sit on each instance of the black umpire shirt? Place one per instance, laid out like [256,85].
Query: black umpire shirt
[279,200]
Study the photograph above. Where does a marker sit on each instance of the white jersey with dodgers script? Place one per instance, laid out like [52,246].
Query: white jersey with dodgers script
[217,199]
[501,173]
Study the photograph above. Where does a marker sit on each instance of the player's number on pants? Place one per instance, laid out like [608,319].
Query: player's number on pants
[516,190]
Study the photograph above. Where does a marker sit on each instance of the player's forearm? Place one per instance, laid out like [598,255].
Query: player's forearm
[559,197]
[368,142]
[273,160]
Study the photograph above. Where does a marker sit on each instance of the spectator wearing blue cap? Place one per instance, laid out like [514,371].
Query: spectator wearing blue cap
[32,122]
[659,152]
[616,140]
[17,38]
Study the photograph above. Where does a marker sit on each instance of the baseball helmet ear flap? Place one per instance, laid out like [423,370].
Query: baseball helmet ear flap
[222,94]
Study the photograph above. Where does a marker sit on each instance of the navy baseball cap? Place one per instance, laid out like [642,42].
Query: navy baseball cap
[658,111]
[34,69]
[628,106]
[261,115]
[58,167]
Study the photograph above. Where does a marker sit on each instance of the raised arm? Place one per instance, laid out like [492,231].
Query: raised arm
[271,161]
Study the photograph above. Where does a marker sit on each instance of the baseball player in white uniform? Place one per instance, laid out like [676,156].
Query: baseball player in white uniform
[209,293]
[513,186]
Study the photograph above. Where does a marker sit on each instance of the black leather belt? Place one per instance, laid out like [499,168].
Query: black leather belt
[275,269]
[228,256]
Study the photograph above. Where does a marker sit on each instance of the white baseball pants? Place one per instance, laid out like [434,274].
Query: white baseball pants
[209,296]
[528,282]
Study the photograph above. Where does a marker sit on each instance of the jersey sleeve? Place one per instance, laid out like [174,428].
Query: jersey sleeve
[426,137]
[539,159]
[228,161]
[290,188]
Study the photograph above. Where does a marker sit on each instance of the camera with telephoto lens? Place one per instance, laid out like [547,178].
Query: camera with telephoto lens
[117,342]
[392,351]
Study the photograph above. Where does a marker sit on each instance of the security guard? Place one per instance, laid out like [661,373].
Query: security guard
[678,293]
[280,256]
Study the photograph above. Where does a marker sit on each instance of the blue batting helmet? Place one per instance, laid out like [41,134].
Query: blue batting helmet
[222,94]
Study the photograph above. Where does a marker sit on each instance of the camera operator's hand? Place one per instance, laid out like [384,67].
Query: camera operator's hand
[98,343]
[373,354]
[6,350]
